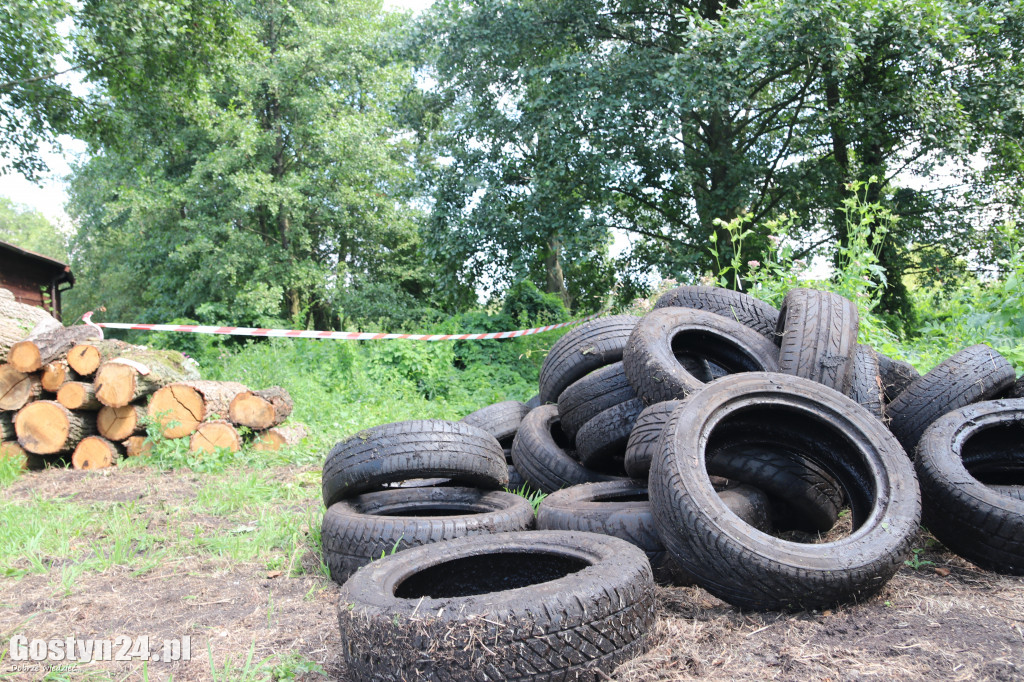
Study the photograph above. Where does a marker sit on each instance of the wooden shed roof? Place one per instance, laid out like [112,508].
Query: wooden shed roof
[54,269]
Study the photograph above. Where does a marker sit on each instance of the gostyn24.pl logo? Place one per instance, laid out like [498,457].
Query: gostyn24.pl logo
[121,648]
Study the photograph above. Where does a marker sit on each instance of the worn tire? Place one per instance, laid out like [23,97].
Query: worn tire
[533,402]
[601,443]
[359,530]
[972,375]
[501,420]
[429,448]
[735,305]
[817,336]
[579,605]
[751,569]
[896,375]
[588,347]
[643,440]
[650,359]
[981,523]
[866,387]
[540,453]
[622,509]
[1017,390]
[592,395]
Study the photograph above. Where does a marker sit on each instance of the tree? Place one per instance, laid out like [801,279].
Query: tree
[276,183]
[29,229]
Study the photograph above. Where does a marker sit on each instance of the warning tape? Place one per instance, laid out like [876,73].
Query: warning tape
[339,336]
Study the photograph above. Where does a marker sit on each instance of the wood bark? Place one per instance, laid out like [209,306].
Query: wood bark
[86,358]
[276,438]
[139,372]
[46,427]
[18,320]
[37,350]
[17,389]
[138,446]
[55,374]
[181,407]
[119,423]
[215,434]
[78,395]
[95,452]
[261,410]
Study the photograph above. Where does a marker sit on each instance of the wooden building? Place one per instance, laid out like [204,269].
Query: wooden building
[33,278]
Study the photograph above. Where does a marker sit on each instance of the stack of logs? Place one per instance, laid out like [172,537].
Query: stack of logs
[66,392]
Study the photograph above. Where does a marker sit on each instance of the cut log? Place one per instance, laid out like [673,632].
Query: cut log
[215,434]
[17,389]
[138,446]
[18,320]
[95,452]
[182,407]
[46,427]
[119,423]
[56,374]
[86,358]
[26,461]
[139,372]
[78,395]
[7,426]
[39,349]
[279,437]
[261,409]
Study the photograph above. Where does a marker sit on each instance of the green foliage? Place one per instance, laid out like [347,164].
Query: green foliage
[29,229]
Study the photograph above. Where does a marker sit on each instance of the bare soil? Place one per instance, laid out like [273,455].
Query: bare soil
[947,621]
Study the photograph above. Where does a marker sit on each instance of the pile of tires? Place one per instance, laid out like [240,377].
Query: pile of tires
[762,454]
[434,557]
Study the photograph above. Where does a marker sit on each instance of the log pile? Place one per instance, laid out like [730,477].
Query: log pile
[66,394]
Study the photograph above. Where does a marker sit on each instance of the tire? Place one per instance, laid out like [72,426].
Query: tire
[802,495]
[362,529]
[751,569]
[979,522]
[866,387]
[537,606]
[515,479]
[584,349]
[501,420]
[650,359]
[735,305]
[601,443]
[1017,390]
[817,336]
[643,440]
[622,509]
[1014,491]
[592,395]
[429,448]
[533,402]
[972,375]
[896,376]
[540,454]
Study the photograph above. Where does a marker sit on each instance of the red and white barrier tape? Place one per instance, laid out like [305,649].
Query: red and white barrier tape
[340,336]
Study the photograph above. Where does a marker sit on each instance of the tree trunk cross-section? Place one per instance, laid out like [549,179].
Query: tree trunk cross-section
[86,358]
[95,452]
[279,437]
[182,407]
[46,427]
[78,395]
[215,434]
[261,410]
[140,372]
[40,349]
[55,374]
[138,446]
[17,388]
[120,423]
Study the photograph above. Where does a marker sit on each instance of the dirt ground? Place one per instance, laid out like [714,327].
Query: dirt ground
[948,621]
